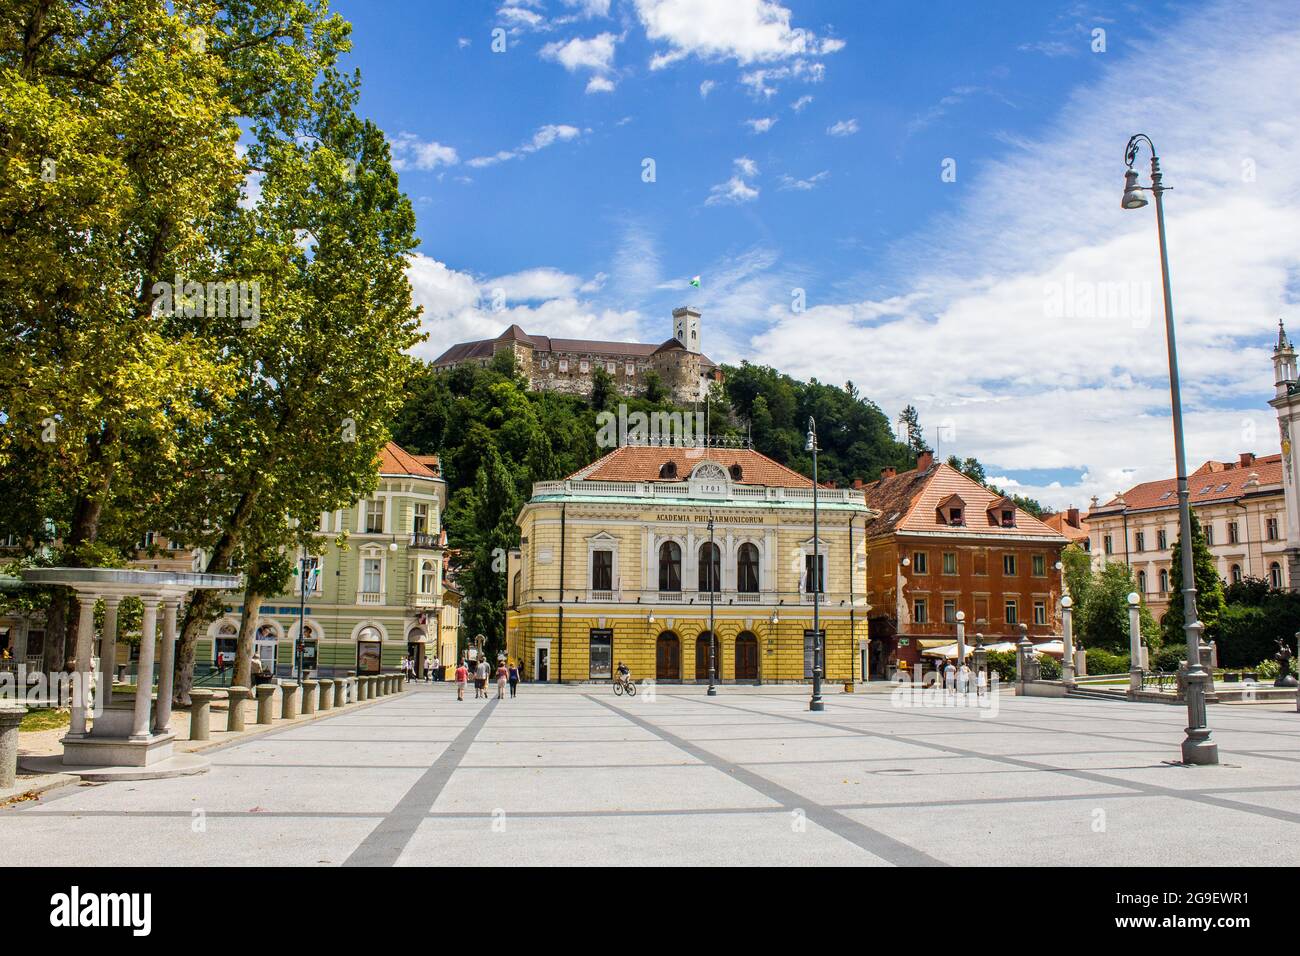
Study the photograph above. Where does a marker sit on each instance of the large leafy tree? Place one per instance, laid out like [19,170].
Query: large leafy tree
[1209,589]
[1102,613]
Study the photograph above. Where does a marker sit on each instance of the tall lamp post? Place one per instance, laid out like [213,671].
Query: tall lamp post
[816,702]
[713,637]
[1198,748]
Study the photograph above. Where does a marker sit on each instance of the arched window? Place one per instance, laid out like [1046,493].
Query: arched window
[1164,580]
[1142,582]
[426,577]
[747,569]
[668,470]
[1275,575]
[710,567]
[670,566]
[736,472]
[1236,574]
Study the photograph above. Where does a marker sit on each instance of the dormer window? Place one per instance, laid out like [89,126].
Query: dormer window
[951,511]
[1008,519]
[736,472]
[668,470]
[1002,512]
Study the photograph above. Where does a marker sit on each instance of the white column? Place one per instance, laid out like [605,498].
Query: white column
[1067,638]
[1135,643]
[108,649]
[85,648]
[144,670]
[167,663]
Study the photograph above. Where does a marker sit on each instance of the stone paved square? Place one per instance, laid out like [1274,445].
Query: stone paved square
[573,776]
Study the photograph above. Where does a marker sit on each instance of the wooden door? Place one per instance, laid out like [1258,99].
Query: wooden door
[746,657]
[702,658]
[668,657]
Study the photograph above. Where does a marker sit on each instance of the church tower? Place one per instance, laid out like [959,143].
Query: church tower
[1286,402]
[686,327]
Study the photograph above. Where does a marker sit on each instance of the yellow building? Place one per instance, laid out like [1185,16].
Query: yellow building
[617,563]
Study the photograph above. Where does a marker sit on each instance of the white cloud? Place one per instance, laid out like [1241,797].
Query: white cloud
[411,152]
[799,104]
[545,136]
[843,128]
[595,54]
[457,308]
[803,185]
[1021,383]
[600,84]
[706,87]
[590,8]
[747,31]
[736,189]
[761,125]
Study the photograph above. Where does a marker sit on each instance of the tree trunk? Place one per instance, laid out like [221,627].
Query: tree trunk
[244,645]
[56,624]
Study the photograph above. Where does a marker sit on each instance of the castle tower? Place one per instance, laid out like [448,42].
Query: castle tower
[686,327]
[1286,402]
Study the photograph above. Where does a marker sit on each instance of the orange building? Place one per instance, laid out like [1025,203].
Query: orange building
[943,544]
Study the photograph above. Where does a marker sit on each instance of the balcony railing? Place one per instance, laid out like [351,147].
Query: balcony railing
[424,540]
[370,597]
[682,489]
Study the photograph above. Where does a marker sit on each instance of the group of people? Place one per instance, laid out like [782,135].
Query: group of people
[958,680]
[507,672]
[432,669]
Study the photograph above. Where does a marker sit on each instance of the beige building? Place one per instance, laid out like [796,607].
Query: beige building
[1240,505]
[617,562]
[569,365]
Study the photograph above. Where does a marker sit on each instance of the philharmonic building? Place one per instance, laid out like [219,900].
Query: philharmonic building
[618,562]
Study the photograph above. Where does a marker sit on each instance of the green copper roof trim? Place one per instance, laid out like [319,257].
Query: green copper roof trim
[700,502]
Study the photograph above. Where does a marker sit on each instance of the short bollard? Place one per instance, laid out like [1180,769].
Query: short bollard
[385,685]
[376,686]
[359,688]
[309,696]
[235,718]
[326,694]
[288,701]
[265,703]
[340,692]
[200,713]
[10,717]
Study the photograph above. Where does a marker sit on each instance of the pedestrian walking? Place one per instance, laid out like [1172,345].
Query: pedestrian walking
[949,679]
[480,679]
[981,683]
[513,676]
[462,678]
[437,668]
[502,673]
[963,679]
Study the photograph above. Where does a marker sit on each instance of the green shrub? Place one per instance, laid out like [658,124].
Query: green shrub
[1168,658]
[1104,662]
[1002,663]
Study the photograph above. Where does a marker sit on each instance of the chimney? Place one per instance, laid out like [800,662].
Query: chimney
[1072,517]
[1245,459]
[831,483]
[925,461]
[889,471]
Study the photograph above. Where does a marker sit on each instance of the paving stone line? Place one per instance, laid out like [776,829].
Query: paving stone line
[385,843]
[859,834]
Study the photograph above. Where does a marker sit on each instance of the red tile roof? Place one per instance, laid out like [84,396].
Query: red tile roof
[910,502]
[395,460]
[1060,523]
[1213,481]
[642,463]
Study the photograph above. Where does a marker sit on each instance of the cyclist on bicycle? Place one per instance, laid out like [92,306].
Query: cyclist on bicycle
[624,675]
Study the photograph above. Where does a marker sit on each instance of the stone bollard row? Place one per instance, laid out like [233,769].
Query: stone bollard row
[235,717]
[340,692]
[265,703]
[309,697]
[326,694]
[10,717]
[288,701]
[200,713]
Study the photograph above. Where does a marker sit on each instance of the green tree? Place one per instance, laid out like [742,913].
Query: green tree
[911,421]
[1209,590]
[1102,620]
[1076,568]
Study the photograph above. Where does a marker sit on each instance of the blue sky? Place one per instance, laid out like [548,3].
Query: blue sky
[800,145]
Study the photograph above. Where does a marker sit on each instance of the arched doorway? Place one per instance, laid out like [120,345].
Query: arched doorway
[668,657]
[702,658]
[746,656]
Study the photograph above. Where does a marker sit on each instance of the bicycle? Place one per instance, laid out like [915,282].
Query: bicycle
[624,685]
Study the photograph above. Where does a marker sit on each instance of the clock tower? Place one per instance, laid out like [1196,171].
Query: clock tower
[1286,401]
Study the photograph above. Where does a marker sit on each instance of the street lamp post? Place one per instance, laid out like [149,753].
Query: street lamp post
[1067,638]
[713,637]
[1134,643]
[1197,748]
[961,637]
[815,703]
